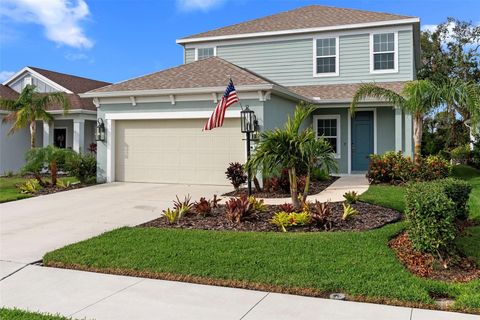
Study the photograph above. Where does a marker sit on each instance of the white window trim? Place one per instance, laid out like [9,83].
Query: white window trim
[203,47]
[395,53]
[337,57]
[339,131]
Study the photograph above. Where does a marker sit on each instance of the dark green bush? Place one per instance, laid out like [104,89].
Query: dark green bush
[83,167]
[458,191]
[430,217]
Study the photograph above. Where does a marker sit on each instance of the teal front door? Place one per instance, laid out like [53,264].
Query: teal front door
[362,140]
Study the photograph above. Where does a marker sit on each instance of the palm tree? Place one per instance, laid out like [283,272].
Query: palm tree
[417,98]
[290,147]
[31,106]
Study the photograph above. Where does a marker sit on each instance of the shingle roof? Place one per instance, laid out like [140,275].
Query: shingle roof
[339,91]
[71,82]
[314,16]
[8,93]
[211,72]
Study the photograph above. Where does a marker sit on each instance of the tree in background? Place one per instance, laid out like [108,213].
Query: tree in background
[451,59]
[31,106]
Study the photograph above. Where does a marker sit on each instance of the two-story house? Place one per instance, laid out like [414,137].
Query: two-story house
[316,53]
[74,130]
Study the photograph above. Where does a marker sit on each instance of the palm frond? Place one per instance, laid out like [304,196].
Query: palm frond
[43,101]
[9,105]
[374,91]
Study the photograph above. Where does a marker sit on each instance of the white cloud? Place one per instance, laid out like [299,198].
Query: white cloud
[71,56]
[60,18]
[204,5]
[4,75]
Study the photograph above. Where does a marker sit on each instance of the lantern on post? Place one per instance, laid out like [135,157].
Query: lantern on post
[100,131]
[248,126]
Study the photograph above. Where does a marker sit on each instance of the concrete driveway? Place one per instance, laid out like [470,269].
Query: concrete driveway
[31,227]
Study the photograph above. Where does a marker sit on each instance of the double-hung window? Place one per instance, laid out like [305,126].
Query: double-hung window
[204,53]
[328,127]
[384,52]
[326,61]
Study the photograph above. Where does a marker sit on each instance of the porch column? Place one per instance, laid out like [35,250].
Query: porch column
[47,133]
[79,135]
[408,135]
[398,129]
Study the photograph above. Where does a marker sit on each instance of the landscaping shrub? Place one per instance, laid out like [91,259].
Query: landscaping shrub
[460,154]
[430,217]
[172,216]
[458,191]
[238,209]
[432,168]
[204,207]
[257,205]
[31,186]
[391,167]
[348,212]
[322,211]
[236,174]
[82,166]
[183,206]
[287,207]
[394,168]
[351,197]
[50,157]
[320,174]
[284,220]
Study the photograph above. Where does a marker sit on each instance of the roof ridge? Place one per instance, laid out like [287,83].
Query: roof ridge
[64,74]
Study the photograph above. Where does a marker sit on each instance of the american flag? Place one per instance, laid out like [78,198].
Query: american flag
[218,115]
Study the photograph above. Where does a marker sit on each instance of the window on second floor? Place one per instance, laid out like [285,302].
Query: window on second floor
[326,57]
[384,52]
[204,53]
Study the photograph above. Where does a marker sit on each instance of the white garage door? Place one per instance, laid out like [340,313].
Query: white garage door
[176,151]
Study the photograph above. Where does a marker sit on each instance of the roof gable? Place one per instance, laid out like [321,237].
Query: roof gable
[314,16]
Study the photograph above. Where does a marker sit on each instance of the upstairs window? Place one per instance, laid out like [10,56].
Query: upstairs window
[326,57]
[204,53]
[384,52]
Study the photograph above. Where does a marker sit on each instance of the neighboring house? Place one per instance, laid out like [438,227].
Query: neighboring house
[318,54]
[75,130]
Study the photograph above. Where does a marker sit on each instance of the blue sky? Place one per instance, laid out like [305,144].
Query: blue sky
[114,40]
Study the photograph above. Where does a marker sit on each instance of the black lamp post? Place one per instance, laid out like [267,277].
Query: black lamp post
[248,126]
[100,131]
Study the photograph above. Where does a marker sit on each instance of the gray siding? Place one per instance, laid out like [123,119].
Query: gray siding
[276,111]
[189,55]
[290,62]
[385,130]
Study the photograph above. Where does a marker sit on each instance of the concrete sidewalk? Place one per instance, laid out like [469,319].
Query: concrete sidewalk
[99,296]
[334,192]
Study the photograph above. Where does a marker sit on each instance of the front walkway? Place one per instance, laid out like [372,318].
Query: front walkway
[335,192]
[100,296]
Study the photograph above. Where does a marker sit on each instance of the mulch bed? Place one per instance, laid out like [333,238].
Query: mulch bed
[370,217]
[460,268]
[55,189]
[315,187]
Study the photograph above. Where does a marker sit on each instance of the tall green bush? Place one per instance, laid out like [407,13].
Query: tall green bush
[82,166]
[430,217]
[458,191]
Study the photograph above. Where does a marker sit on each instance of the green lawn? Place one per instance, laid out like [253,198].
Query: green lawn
[16,314]
[358,263]
[9,191]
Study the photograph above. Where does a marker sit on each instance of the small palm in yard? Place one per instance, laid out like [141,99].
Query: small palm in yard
[31,106]
[290,147]
[49,157]
[420,97]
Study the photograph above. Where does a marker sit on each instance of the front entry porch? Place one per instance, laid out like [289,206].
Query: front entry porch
[76,132]
[374,129]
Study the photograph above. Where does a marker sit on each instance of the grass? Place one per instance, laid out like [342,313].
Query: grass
[17,314]
[385,196]
[358,263]
[393,196]
[10,192]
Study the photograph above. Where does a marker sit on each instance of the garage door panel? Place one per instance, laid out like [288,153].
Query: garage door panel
[176,151]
